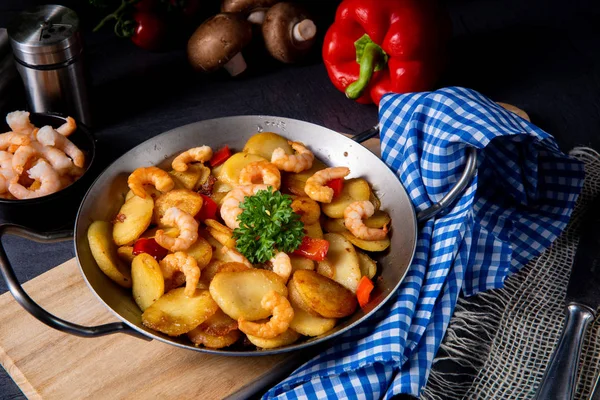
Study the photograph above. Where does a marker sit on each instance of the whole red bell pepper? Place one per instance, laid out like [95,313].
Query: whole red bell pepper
[376,47]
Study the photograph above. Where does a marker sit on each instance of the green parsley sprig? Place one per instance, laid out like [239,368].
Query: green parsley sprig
[267,224]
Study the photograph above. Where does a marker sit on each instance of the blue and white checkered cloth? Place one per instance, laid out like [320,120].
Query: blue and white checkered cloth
[519,202]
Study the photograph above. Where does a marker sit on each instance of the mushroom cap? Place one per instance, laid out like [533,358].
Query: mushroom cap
[246,6]
[217,40]
[277,32]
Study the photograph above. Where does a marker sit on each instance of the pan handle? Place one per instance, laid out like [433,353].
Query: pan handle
[32,307]
[457,189]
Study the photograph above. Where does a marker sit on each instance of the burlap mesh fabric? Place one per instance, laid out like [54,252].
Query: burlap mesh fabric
[503,339]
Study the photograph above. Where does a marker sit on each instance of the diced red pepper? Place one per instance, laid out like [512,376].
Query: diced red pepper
[363,292]
[145,245]
[337,185]
[313,249]
[220,156]
[209,209]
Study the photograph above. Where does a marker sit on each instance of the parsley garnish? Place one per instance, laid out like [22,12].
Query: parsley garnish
[267,224]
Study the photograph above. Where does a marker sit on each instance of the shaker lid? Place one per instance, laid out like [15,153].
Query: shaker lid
[45,35]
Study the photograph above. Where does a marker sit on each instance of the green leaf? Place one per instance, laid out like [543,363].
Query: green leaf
[360,44]
[268,224]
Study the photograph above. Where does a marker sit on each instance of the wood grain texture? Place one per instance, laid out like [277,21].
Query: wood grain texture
[49,364]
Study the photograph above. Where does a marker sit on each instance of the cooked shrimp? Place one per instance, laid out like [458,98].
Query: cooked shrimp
[282,265]
[353,219]
[5,159]
[282,314]
[230,209]
[149,175]
[57,159]
[43,172]
[185,263]
[197,154]
[19,122]
[13,139]
[236,256]
[188,230]
[49,137]
[294,163]
[264,170]
[68,127]
[315,185]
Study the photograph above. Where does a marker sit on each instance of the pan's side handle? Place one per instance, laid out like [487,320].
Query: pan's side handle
[457,189]
[32,307]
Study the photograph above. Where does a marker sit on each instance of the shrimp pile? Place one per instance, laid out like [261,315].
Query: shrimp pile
[185,217]
[36,162]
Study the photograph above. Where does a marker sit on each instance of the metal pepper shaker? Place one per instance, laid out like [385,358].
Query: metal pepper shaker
[48,50]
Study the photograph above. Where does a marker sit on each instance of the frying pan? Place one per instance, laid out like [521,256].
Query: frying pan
[106,195]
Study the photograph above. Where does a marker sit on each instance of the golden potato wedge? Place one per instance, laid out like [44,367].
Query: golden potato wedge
[263,144]
[133,219]
[286,338]
[294,182]
[220,190]
[334,225]
[378,220]
[310,325]
[321,295]
[218,324]
[104,252]
[199,337]
[375,201]
[148,280]
[232,266]
[191,179]
[186,200]
[169,231]
[209,272]
[239,294]
[368,245]
[125,253]
[343,258]
[314,231]
[299,262]
[325,268]
[151,190]
[368,266]
[222,233]
[230,173]
[356,189]
[201,250]
[174,313]
[308,209]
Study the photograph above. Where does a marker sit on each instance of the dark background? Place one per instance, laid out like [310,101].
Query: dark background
[542,56]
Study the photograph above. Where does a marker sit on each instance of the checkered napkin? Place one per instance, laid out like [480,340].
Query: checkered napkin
[519,202]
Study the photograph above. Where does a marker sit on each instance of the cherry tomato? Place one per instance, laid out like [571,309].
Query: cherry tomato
[147,5]
[144,245]
[150,31]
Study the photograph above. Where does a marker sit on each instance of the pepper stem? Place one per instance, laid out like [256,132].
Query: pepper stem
[371,57]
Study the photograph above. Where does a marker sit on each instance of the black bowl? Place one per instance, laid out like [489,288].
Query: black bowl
[58,210]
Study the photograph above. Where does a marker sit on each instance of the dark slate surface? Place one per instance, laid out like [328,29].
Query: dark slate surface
[539,55]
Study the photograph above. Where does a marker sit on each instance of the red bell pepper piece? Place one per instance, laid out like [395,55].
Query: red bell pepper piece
[220,156]
[376,47]
[208,210]
[363,292]
[145,245]
[313,249]
[337,185]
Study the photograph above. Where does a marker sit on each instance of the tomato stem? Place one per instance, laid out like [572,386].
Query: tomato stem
[115,15]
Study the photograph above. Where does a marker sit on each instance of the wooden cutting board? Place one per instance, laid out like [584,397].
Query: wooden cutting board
[48,364]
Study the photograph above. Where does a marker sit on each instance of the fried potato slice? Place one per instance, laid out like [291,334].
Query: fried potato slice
[104,252]
[375,201]
[294,183]
[222,233]
[209,272]
[239,294]
[368,266]
[308,209]
[199,337]
[202,251]
[299,262]
[314,231]
[151,190]
[230,173]
[318,294]
[343,258]
[368,245]
[263,144]
[125,253]
[174,313]
[133,219]
[356,189]
[218,324]
[232,266]
[334,225]
[191,179]
[287,337]
[377,221]
[325,268]
[186,200]
[169,231]
[308,324]
[148,280]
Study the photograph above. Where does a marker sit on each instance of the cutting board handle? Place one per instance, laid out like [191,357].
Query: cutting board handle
[32,307]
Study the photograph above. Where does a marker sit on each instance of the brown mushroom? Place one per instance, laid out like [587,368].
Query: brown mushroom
[218,43]
[254,10]
[288,31]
